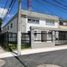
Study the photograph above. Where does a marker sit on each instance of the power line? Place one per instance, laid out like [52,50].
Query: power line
[10,8]
[58,2]
[53,4]
[39,1]
[42,2]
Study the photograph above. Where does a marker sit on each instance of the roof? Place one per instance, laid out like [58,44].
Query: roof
[39,15]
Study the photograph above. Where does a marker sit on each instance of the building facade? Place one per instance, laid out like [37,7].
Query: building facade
[45,29]
[31,20]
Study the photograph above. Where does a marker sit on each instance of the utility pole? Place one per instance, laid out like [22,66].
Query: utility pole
[19,28]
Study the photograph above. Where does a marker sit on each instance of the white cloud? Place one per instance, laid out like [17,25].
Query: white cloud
[3,12]
[9,15]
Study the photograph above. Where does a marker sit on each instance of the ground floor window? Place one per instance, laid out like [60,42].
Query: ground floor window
[46,36]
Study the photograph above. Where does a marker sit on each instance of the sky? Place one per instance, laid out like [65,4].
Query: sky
[52,7]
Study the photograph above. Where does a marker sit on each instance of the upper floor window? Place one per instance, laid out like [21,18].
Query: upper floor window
[32,20]
[50,22]
[11,25]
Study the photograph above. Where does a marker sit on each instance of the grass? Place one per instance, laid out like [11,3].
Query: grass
[14,46]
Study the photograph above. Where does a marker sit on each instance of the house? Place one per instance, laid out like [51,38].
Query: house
[45,29]
[32,19]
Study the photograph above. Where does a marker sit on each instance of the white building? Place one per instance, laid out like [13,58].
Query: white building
[37,23]
[31,19]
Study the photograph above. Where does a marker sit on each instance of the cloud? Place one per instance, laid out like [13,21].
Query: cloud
[9,15]
[3,12]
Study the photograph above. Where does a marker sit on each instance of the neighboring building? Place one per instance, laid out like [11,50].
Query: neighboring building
[45,29]
[63,23]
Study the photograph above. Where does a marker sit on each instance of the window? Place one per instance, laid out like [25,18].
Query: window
[35,33]
[49,36]
[46,36]
[50,22]
[31,20]
[11,25]
[8,27]
[43,36]
[61,23]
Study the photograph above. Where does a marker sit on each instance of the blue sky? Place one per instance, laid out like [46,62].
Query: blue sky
[43,6]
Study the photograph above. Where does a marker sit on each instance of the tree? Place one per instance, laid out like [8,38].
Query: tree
[0,23]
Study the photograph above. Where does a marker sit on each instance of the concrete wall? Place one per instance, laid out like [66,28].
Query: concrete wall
[23,24]
[42,44]
[60,42]
[39,44]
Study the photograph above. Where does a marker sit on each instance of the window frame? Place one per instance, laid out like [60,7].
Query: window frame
[33,20]
[50,22]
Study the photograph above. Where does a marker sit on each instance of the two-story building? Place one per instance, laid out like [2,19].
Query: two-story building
[45,29]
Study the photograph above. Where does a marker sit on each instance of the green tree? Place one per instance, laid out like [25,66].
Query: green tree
[0,24]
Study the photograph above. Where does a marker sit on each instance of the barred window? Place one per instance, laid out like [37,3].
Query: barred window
[32,20]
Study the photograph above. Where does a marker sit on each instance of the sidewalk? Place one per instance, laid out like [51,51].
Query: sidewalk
[33,51]
[2,50]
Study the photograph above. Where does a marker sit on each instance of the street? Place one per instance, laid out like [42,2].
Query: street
[55,57]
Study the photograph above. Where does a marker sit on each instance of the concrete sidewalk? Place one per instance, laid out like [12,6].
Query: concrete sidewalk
[33,51]
[2,50]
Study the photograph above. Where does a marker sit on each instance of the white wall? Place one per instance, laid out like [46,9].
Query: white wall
[42,23]
[23,23]
[14,27]
[25,26]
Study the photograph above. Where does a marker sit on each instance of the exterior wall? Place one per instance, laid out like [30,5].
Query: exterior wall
[14,26]
[61,42]
[62,27]
[42,23]
[39,44]
[42,44]
[23,23]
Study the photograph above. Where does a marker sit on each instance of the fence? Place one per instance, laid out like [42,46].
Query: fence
[42,37]
[61,35]
[26,38]
[11,38]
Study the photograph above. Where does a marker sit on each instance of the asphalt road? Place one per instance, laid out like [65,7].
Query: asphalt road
[56,57]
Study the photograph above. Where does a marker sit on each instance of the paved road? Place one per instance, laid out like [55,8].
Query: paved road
[56,57]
